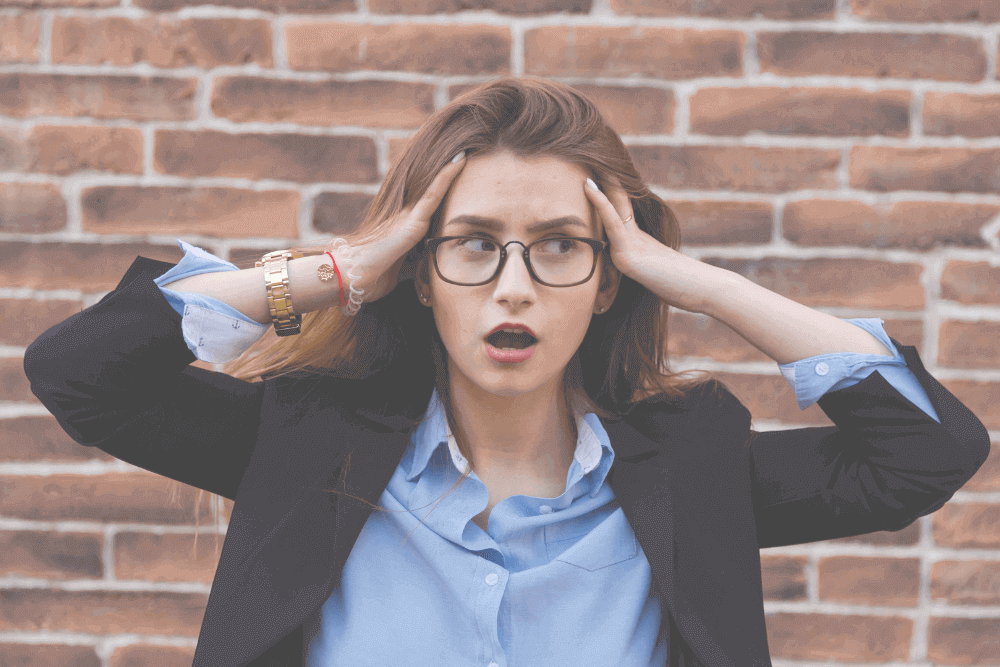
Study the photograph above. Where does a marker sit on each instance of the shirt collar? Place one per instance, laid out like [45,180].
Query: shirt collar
[593,448]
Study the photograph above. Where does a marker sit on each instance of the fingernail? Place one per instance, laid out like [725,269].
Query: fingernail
[458,158]
[592,185]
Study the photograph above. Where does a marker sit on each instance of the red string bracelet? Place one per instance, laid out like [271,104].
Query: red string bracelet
[340,281]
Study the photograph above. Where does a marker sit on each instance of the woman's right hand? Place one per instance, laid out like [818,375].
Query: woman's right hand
[381,263]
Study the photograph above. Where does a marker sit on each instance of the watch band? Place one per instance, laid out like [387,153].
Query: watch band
[279,295]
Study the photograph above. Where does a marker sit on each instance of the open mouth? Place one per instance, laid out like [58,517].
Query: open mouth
[511,340]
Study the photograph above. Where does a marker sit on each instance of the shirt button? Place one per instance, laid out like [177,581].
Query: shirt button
[492,578]
[545,509]
[822,368]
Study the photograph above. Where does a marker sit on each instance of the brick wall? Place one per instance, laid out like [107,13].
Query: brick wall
[845,153]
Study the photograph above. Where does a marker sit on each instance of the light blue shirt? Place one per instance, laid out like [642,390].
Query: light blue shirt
[532,588]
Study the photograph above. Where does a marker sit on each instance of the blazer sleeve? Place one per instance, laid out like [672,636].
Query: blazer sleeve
[117,376]
[882,466]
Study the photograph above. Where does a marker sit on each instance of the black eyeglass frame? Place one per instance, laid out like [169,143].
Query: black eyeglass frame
[432,244]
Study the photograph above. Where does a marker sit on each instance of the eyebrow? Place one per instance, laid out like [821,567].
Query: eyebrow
[496,225]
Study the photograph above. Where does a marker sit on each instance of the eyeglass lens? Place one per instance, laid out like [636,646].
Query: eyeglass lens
[556,261]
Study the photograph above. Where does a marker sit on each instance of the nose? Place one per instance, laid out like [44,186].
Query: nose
[514,284]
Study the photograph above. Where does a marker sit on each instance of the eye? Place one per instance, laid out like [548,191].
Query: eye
[560,246]
[477,244]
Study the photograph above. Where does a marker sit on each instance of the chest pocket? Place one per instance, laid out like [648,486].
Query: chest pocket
[609,542]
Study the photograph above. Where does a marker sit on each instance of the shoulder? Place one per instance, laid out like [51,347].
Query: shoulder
[702,404]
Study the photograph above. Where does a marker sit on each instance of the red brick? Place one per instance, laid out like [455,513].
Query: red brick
[151,656]
[14,386]
[746,168]
[982,398]
[771,398]
[31,207]
[126,497]
[130,97]
[49,655]
[913,225]
[219,212]
[898,56]
[45,4]
[967,525]
[907,332]
[835,283]
[962,114]
[692,335]
[498,6]
[152,557]
[969,344]
[340,213]
[723,222]
[887,582]
[161,42]
[937,11]
[963,641]
[966,582]
[19,35]
[290,157]
[51,555]
[836,637]
[987,478]
[660,53]
[63,150]
[88,267]
[365,103]
[811,111]
[774,9]
[119,612]
[971,282]
[13,149]
[42,439]
[907,537]
[783,577]
[431,49]
[943,169]
[276,6]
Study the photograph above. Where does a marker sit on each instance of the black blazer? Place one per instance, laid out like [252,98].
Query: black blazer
[702,491]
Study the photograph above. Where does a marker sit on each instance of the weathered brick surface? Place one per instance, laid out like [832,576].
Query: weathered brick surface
[913,225]
[746,168]
[774,9]
[971,282]
[722,222]
[987,478]
[808,111]
[30,207]
[432,49]
[969,344]
[500,6]
[161,42]
[62,150]
[702,336]
[14,386]
[982,398]
[152,557]
[943,169]
[138,655]
[276,6]
[140,612]
[967,525]
[366,103]
[962,114]
[939,57]
[42,439]
[963,641]
[129,97]
[909,11]
[49,655]
[885,582]
[178,210]
[56,555]
[339,213]
[19,35]
[89,267]
[292,157]
[127,497]
[783,577]
[858,283]
[660,53]
[966,582]
[836,637]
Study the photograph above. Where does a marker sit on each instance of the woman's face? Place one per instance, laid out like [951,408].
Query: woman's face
[512,194]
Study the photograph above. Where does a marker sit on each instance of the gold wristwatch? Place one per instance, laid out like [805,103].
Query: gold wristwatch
[279,296]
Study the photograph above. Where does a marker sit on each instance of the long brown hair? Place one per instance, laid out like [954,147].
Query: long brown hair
[623,356]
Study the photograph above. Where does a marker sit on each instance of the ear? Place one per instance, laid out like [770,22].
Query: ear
[421,279]
[610,280]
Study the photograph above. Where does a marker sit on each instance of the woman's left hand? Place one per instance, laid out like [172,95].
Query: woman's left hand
[677,279]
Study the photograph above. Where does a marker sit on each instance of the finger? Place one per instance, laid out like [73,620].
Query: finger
[431,199]
[609,213]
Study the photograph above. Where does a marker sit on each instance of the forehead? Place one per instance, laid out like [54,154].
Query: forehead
[517,193]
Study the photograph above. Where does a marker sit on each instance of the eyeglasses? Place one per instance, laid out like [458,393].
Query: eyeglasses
[561,261]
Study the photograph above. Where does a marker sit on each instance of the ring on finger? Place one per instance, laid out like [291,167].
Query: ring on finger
[626,219]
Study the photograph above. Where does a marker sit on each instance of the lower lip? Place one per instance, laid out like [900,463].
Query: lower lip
[510,356]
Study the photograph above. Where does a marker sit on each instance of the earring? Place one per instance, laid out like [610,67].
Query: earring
[424,298]
[600,309]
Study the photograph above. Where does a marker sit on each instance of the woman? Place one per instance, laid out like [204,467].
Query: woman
[491,465]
